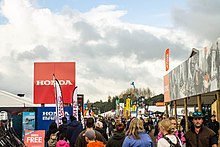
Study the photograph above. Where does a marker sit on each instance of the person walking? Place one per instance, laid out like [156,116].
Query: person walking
[118,136]
[51,136]
[136,135]
[63,127]
[177,132]
[100,129]
[214,125]
[81,142]
[91,139]
[73,130]
[167,129]
[200,135]
[62,141]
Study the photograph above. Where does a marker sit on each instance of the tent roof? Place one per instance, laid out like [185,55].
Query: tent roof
[11,100]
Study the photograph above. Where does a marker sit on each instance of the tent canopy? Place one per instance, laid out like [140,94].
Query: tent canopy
[11,100]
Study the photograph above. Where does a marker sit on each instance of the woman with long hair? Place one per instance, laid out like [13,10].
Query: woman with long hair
[136,135]
[177,132]
[169,139]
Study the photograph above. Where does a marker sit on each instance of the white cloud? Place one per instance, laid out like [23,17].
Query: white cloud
[110,53]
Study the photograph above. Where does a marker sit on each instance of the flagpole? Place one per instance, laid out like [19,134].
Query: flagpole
[59,101]
[74,103]
[57,115]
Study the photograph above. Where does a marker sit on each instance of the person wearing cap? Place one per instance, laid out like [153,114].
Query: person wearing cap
[200,135]
[90,123]
[90,139]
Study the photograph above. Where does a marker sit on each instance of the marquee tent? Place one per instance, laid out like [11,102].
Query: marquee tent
[11,100]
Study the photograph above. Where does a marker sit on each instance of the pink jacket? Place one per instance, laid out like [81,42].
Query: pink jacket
[62,143]
[182,138]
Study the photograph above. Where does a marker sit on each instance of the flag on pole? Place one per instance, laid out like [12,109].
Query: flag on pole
[59,102]
[75,105]
[167,56]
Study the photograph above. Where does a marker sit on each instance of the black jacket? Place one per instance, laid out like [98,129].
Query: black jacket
[63,129]
[103,132]
[116,140]
[73,130]
[214,126]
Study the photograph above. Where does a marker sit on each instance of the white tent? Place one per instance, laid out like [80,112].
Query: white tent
[11,100]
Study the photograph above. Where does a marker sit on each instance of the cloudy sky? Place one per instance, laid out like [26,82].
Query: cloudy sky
[114,42]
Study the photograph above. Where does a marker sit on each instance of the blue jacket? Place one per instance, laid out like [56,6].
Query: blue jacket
[144,141]
[73,130]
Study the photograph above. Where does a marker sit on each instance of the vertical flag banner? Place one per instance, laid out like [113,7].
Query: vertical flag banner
[59,102]
[167,56]
[128,106]
[75,105]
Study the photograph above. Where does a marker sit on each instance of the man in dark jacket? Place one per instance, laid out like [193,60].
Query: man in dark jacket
[63,127]
[81,142]
[118,137]
[73,130]
[200,135]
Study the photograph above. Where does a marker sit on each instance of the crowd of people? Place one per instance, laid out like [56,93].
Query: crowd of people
[134,132]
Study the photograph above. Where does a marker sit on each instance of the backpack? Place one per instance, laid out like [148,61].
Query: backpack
[53,139]
[171,143]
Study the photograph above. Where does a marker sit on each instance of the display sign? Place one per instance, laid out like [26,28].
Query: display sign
[28,122]
[47,115]
[44,83]
[197,75]
[34,138]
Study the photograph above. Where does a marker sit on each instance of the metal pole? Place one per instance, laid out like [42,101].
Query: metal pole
[186,114]
[167,115]
[175,112]
[218,106]
[199,103]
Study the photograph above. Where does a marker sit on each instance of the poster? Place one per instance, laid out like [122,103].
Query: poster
[34,138]
[28,122]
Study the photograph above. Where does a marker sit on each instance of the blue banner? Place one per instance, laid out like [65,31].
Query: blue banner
[47,115]
[28,122]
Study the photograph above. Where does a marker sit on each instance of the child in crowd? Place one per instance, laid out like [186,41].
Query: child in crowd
[62,142]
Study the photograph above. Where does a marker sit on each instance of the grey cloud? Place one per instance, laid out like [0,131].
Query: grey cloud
[39,52]
[201,18]
[145,45]
[87,31]
[15,80]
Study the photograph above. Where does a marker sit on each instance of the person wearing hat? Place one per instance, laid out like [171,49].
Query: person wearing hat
[200,135]
[90,139]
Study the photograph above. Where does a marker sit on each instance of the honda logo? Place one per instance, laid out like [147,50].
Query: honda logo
[51,82]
